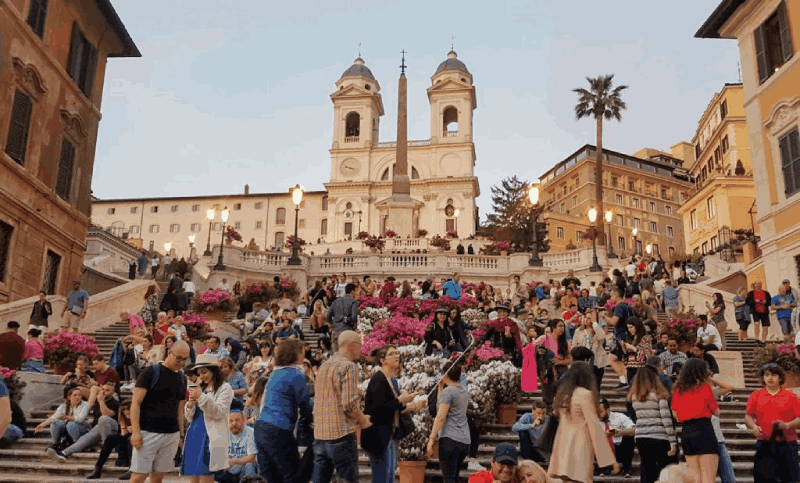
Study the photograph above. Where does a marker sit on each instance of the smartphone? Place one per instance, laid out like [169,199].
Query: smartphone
[192,385]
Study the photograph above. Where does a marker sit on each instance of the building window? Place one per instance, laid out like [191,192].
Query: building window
[619,199]
[620,220]
[237,225]
[323,227]
[697,151]
[670,231]
[82,61]
[259,225]
[725,145]
[348,229]
[655,249]
[653,227]
[668,210]
[637,223]
[134,209]
[301,223]
[636,202]
[111,211]
[574,201]
[174,228]
[789,145]
[713,243]
[153,228]
[237,206]
[579,236]
[173,208]
[324,203]
[154,209]
[704,248]
[671,251]
[723,109]
[560,233]
[195,227]
[280,216]
[563,208]
[134,229]
[621,242]
[65,163]
[195,208]
[259,205]
[631,185]
[6,231]
[683,196]
[450,224]
[653,207]
[773,43]
[37,15]
[279,239]
[710,208]
[51,266]
[17,139]
[216,226]
[693,220]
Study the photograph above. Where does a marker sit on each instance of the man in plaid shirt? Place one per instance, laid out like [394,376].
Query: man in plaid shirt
[671,356]
[337,413]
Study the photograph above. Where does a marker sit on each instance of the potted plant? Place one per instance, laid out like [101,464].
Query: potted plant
[505,387]
[422,233]
[362,235]
[683,328]
[441,243]
[214,303]
[196,326]
[300,243]
[375,243]
[504,248]
[784,356]
[259,292]
[61,351]
[571,246]
[290,287]
[452,233]
[13,383]
[390,234]
[232,235]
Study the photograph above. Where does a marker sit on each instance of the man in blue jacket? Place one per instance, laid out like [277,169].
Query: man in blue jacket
[452,288]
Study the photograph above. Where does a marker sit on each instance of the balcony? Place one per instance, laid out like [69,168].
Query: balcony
[350,139]
[451,134]
[667,197]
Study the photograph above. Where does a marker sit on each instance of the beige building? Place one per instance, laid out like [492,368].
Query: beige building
[643,191]
[441,169]
[718,158]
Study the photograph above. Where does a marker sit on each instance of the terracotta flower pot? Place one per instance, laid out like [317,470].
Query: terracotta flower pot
[214,316]
[506,413]
[792,380]
[411,471]
[60,370]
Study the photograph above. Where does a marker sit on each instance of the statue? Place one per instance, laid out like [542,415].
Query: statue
[252,245]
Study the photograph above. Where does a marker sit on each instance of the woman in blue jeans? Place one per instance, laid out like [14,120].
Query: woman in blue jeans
[383,403]
[69,419]
[286,393]
[450,426]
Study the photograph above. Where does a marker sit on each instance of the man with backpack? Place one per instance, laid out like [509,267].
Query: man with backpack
[343,314]
[157,416]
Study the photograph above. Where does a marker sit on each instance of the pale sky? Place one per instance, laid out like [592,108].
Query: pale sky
[237,91]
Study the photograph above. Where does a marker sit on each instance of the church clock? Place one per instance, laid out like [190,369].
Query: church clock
[350,167]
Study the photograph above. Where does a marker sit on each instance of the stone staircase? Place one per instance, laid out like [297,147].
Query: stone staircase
[26,461]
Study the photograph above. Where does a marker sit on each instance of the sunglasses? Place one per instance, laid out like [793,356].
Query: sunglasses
[768,366]
[180,358]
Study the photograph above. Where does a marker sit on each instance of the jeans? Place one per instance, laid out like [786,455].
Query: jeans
[121,443]
[528,451]
[33,365]
[60,428]
[338,454]
[786,325]
[278,458]
[725,467]
[384,466]
[776,462]
[653,453]
[105,428]
[624,452]
[451,456]
[235,473]
[12,434]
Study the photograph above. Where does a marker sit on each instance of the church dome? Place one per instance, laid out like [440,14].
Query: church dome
[358,69]
[452,63]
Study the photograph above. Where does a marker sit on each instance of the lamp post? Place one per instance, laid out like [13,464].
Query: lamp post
[635,246]
[533,195]
[455,215]
[297,197]
[593,233]
[220,265]
[359,220]
[210,215]
[167,247]
[648,248]
[610,244]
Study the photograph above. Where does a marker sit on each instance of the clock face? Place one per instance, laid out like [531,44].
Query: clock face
[350,167]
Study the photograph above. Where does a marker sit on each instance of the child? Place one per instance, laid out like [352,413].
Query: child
[529,427]
[773,414]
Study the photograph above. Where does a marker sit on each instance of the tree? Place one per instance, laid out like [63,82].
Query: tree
[513,215]
[601,101]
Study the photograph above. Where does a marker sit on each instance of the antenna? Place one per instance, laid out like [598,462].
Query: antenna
[359,49]
[452,42]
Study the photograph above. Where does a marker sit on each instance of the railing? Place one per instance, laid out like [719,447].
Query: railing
[482,262]
[413,260]
[345,261]
[426,142]
[259,258]
[451,134]
[351,139]
[666,197]
[408,243]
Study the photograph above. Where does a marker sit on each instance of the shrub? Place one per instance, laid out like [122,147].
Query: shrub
[64,348]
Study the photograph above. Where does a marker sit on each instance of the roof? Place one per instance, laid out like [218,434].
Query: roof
[129,48]
[203,197]
[452,63]
[720,15]
[358,69]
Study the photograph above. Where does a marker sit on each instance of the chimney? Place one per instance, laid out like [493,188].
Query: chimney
[246,189]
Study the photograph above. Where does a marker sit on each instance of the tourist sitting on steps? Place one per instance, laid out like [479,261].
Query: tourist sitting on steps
[504,466]
[503,333]
[104,412]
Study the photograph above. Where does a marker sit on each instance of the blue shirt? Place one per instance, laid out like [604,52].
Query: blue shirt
[3,388]
[238,382]
[525,423]
[623,311]
[241,445]
[452,289]
[286,333]
[286,394]
[780,300]
[540,293]
[743,312]
[77,298]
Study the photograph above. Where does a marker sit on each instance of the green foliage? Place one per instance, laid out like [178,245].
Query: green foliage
[513,215]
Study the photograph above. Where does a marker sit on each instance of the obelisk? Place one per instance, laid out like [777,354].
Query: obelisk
[400,206]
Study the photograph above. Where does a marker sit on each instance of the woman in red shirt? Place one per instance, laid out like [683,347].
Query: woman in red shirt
[693,404]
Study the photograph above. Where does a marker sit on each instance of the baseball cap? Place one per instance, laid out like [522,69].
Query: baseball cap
[505,453]
[786,280]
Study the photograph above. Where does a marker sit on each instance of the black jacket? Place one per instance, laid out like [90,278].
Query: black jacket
[380,404]
[435,333]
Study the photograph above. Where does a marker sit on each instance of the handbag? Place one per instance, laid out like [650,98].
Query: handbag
[405,427]
[76,310]
[544,442]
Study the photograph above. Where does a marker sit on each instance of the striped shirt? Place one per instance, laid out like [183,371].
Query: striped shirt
[337,396]
[654,420]
[668,359]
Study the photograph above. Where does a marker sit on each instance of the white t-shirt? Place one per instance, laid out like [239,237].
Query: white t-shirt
[188,286]
[705,334]
[224,286]
[241,445]
[619,421]
[630,270]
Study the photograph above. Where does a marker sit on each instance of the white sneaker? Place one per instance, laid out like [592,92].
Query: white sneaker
[128,387]
[475,466]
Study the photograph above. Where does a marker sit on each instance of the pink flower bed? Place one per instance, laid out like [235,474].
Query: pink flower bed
[486,352]
[214,296]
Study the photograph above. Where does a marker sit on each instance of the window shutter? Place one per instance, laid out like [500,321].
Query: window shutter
[794,152]
[75,53]
[18,127]
[37,15]
[65,162]
[786,38]
[90,67]
[786,163]
[761,55]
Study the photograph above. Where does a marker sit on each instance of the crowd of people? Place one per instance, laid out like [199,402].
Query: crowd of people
[279,404]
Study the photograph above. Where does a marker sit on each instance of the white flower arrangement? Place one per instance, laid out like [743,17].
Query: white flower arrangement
[504,381]
[474,317]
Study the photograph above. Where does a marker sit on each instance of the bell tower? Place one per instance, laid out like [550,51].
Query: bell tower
[452,99]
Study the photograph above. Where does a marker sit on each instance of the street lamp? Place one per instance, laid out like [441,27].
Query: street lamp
[167,247]
[359,220]
[297,197]
[592,232]
[210,215]
[220,265]
[648,248]
[635,246]
[455,214]
[533,196]
[609,217]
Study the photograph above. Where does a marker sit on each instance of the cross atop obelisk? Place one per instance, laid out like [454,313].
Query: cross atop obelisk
[401,185]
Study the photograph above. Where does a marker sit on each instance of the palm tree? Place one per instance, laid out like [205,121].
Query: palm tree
[601,101]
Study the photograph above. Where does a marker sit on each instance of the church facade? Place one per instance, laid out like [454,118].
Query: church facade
[441,171]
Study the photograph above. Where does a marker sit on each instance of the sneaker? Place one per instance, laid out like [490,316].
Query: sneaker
[125,476]
[121,463]
[57,454]
[475,466]
[128,387]
[623,386]
[627,473]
